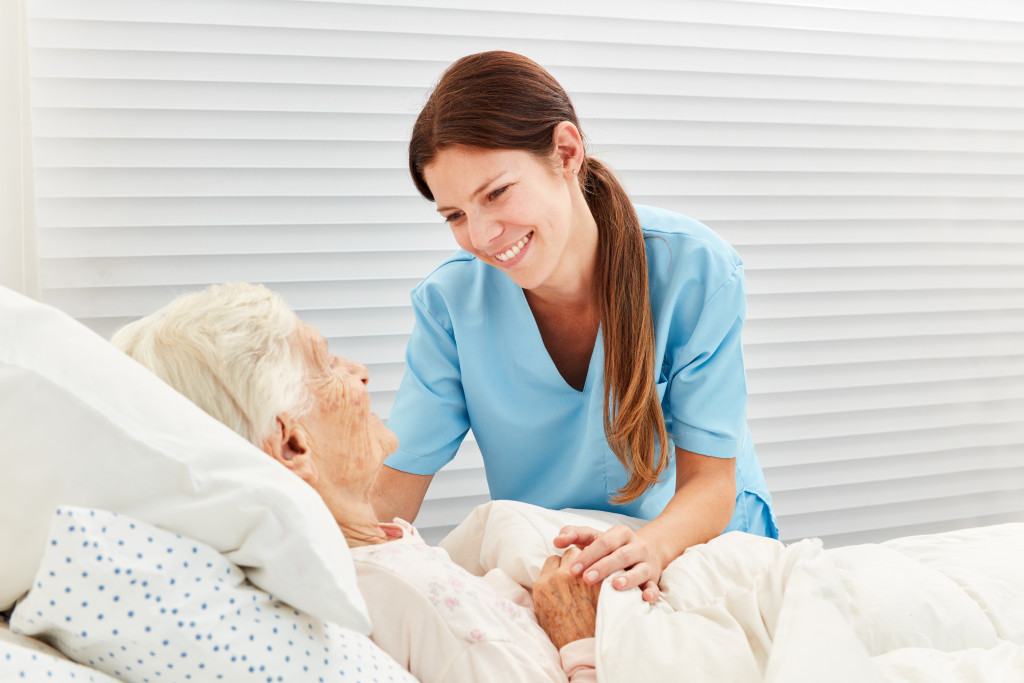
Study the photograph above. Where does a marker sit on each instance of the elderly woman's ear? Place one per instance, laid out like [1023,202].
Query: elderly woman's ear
[289,444]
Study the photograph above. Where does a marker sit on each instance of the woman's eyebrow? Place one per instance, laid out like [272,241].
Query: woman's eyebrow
[475,192]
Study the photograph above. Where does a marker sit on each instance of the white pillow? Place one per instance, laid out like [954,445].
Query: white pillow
[83,424]
[143,604]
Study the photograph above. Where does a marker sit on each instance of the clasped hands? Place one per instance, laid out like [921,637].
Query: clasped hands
[566,593]
[604,553]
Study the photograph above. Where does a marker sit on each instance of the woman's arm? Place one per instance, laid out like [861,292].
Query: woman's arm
[398,494]
[700,510]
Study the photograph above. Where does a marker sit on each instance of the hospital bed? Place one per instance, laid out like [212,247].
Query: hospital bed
[143,541]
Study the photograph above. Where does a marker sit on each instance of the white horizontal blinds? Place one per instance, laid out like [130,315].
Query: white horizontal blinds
[876,194]
[867,161]
[180,144]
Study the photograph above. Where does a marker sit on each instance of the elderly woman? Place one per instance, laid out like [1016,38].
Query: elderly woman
[243,356]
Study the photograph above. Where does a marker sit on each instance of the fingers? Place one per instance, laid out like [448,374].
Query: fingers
[579,536]
[638,575]
[650,591]
[615,549]
[559,563]
[594,556]
[568,558]
[550,564]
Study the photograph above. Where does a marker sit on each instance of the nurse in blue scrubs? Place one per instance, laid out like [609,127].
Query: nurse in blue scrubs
[592,346]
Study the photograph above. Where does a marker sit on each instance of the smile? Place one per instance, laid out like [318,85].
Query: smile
[514,250]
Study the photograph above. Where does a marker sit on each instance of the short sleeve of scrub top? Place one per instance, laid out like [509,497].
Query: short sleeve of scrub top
[475,357]
[699,307]
[431,404]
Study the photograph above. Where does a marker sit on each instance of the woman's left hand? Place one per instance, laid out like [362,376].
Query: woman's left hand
[604,553]
[566,607]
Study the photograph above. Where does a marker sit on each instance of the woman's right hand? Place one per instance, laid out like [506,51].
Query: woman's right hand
[618,548]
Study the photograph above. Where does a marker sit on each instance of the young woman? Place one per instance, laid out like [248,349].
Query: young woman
[592,346]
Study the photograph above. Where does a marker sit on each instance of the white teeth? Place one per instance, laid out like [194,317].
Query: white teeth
[513,250]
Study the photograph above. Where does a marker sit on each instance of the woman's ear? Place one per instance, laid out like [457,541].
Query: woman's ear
[569,150]
[289,445]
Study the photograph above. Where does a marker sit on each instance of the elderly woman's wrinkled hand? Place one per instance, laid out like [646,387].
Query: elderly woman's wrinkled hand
[566,606]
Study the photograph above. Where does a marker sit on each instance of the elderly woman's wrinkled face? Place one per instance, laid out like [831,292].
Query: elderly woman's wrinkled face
[349,442]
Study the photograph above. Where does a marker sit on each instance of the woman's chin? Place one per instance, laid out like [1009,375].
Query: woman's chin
[388,443]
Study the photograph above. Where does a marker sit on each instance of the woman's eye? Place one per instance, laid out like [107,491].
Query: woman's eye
[452,217]
[497,193]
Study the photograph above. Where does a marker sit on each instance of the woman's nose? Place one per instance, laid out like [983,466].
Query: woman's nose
[483,231]
[357,369]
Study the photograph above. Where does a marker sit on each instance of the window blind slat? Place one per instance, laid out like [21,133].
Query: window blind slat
[866,160]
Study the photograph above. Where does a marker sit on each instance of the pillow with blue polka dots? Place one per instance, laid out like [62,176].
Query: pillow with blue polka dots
[145,605]
[24,659]
[85,425]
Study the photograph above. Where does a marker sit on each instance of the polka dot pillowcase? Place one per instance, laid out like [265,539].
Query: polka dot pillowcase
[24,659]
[143,604]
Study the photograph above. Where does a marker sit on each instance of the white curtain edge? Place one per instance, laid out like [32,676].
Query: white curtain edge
[19,255]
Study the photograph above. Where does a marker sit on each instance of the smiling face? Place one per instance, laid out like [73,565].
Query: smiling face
[519,213]
[347,440]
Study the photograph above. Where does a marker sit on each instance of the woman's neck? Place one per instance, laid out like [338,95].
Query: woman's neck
[572,288]
[359,523]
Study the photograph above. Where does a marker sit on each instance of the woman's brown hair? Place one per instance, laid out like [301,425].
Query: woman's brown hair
[502,100]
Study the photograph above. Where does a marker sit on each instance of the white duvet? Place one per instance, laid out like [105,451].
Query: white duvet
[943,607]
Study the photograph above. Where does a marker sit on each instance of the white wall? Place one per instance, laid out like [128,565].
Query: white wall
[866,159]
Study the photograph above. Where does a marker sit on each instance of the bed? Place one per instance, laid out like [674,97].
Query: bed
[941,607]
[146,542]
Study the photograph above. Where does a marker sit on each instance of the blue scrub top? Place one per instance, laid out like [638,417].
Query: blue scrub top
[476,359]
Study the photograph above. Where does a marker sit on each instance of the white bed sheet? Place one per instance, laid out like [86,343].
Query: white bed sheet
[943,607]
[935,608]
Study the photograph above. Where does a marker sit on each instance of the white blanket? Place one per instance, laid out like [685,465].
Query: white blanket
[942,607]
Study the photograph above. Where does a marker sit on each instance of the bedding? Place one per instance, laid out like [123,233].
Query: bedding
[942,607]
[25,659]
[85,425]
[447,626]
[128,601]
[142,604]
[246,557]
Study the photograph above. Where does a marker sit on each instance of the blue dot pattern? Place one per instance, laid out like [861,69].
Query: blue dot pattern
[22,659]
[148,606]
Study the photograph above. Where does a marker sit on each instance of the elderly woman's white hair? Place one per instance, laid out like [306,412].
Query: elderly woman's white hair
[229,348]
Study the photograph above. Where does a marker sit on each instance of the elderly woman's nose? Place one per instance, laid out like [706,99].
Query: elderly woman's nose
[357,369]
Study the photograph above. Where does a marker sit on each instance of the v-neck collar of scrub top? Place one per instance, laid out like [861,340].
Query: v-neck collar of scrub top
[525,319]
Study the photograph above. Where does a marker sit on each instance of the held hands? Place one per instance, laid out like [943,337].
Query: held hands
[566,606]
[607,552]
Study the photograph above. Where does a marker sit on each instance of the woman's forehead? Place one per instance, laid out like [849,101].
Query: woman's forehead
[459,173]
[311,342]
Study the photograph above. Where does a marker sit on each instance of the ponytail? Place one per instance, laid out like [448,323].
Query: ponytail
[501,100]
[632,412]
